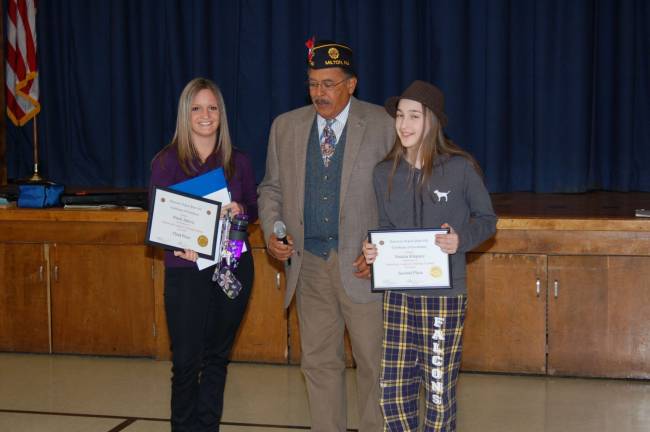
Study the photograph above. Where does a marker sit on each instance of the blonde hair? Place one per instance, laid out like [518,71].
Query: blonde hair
[182,139]
[434,149]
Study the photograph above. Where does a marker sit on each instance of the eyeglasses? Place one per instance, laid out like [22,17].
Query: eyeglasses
[326,85]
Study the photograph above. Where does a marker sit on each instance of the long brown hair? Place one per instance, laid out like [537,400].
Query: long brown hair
[434,149]
[182,139]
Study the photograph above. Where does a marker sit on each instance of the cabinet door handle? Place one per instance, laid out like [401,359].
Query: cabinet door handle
[56,273]
[538,287]
[556,286]
[40,273]
[277,280]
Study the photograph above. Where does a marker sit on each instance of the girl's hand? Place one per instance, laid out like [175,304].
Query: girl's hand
[448,243]
[369,252]
[234,207]
[187,254]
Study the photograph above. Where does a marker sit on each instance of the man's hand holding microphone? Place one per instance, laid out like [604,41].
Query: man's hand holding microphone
[280,247]
[280,244]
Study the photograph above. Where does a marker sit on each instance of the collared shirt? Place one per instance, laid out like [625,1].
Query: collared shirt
[338,125]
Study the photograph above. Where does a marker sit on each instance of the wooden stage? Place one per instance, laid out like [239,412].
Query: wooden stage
[590,205]
[562,289]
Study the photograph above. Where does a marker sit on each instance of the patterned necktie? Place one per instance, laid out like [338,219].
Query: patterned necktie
[328,142]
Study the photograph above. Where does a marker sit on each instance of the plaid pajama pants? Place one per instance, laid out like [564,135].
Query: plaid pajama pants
[422,343]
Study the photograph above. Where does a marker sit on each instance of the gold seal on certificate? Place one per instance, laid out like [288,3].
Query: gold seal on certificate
[181,221]
[436,272]
[409,260]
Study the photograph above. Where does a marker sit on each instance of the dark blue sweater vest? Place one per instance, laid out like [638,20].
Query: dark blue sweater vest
[322,190]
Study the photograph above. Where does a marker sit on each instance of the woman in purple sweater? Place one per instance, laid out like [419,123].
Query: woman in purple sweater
[202,320]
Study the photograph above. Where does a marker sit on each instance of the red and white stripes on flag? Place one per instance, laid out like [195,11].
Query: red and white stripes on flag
[21,72]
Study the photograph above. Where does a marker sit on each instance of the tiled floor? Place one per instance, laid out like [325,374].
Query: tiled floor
[91,394]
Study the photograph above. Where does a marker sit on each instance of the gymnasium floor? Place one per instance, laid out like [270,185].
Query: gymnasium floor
[57,393]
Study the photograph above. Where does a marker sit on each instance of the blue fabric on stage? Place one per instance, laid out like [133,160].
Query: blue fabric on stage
[550,96]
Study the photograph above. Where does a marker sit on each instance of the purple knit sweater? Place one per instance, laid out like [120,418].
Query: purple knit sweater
[166,171]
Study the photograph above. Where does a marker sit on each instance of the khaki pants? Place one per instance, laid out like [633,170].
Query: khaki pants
[324,310]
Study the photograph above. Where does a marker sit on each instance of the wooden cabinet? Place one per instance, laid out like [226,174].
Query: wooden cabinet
[24,308]
[76,282]
[598,316]
[83,282]
[102,299]
[505,326]
[262,335]
[567,302]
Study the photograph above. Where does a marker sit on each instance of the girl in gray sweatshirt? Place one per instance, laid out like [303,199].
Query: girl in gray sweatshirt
[426,181]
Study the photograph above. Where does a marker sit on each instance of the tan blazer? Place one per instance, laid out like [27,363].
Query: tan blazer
[370,135]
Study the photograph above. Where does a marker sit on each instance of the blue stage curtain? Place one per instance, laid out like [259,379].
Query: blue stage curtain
[549,95]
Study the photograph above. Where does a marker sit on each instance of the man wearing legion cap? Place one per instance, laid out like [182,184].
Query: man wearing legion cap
[319,183]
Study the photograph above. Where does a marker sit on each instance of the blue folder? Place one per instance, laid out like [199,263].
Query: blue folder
[204,184]
[207,184]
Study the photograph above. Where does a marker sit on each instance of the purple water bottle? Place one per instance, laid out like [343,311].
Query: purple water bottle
[237,235]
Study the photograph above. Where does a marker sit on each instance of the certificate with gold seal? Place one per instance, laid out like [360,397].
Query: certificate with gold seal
[409,260]
[179,221]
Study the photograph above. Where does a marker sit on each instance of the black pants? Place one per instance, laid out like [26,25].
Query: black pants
[202,323]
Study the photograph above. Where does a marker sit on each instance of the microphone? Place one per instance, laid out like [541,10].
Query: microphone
[280,231]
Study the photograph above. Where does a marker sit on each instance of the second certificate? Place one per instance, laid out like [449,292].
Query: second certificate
[409,260]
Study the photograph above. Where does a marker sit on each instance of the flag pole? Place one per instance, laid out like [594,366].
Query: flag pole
[36,177]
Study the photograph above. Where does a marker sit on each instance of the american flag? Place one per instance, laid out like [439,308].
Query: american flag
[21,71]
